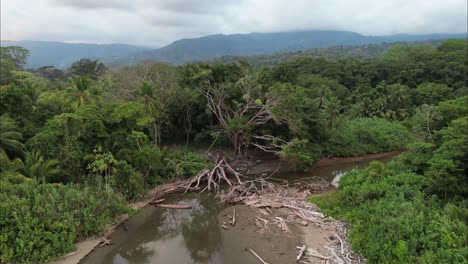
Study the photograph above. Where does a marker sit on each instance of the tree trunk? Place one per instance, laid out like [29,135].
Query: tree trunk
[155,133]
[188,126]
[237,141]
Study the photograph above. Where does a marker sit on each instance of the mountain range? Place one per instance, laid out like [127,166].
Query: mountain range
[61,54]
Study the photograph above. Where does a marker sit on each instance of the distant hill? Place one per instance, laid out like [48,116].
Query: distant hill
[214,46]
[206,48]
[60,54]
[368,51]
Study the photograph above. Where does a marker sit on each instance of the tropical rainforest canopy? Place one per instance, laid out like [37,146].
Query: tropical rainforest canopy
[77,145]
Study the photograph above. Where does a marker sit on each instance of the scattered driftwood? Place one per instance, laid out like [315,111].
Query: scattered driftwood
[256,255]
[313,253]
[267,192]
[175,206]
[301,252]
[104,242]
[282,224]
[233,220]
[155,202]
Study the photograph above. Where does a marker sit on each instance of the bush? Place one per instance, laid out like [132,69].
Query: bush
[365,135]
[412,227]
[129,182]
[43,221]
[156,164]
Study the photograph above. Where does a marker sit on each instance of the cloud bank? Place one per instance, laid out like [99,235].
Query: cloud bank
[159,22]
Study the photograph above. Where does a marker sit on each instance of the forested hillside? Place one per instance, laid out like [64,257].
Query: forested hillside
[361,52]
[214,46]
[62,55]
[77,146]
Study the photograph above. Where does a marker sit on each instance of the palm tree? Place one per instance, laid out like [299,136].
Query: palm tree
[10,139]
[36,167]
[398,99]
[8,169]
[78,93]
[35,93]
[323,93]
[332,107]
[153,107]
[376,169]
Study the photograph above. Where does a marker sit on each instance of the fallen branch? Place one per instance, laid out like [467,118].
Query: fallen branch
[154,202]
[104,242]
[341,244]
[301,252]
[256,255]
[313,253]
[233,221]
[175,206]
[282,223]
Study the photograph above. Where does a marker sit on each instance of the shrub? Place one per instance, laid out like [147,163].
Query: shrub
[365,135]
[43,221]
[412,227]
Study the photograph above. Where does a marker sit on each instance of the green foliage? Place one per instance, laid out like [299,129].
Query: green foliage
[417,205]
[425,121]
[36,167]
[129,181]
[42,221]
[96,129]
[301,150]
[78,93]
[396,53]
[452,109]
[432,93]
[365,135]
[14,54]
[88,68]
[448,168]
[412,227]
[10,139]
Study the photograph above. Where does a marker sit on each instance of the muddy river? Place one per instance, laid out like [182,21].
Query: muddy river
[158,235]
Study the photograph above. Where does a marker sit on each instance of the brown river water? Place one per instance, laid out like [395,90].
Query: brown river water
[159,235]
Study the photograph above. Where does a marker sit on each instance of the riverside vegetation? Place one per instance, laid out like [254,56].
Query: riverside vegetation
[78,145]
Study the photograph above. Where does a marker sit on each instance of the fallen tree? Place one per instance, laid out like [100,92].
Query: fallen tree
[268,192]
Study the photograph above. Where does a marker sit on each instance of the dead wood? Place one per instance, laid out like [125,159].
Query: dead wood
[175,206]
[104,242]
[256,255]
[266,192]
[301,252]
[154,202]
[233,221]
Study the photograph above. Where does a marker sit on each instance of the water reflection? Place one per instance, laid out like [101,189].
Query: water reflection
[158,235]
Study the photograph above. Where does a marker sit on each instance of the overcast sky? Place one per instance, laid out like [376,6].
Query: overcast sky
[159,22]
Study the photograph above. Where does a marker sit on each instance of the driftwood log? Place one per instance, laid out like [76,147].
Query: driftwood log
[175,206]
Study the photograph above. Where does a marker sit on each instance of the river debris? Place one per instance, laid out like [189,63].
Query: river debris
[256,255]
[104,242]
[233,218]
[264,193]
[301,252]
[158,201]
[175,206]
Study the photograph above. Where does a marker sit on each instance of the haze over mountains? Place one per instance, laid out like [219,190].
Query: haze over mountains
[61,54]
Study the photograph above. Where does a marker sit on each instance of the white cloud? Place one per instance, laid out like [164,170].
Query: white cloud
[156,23]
